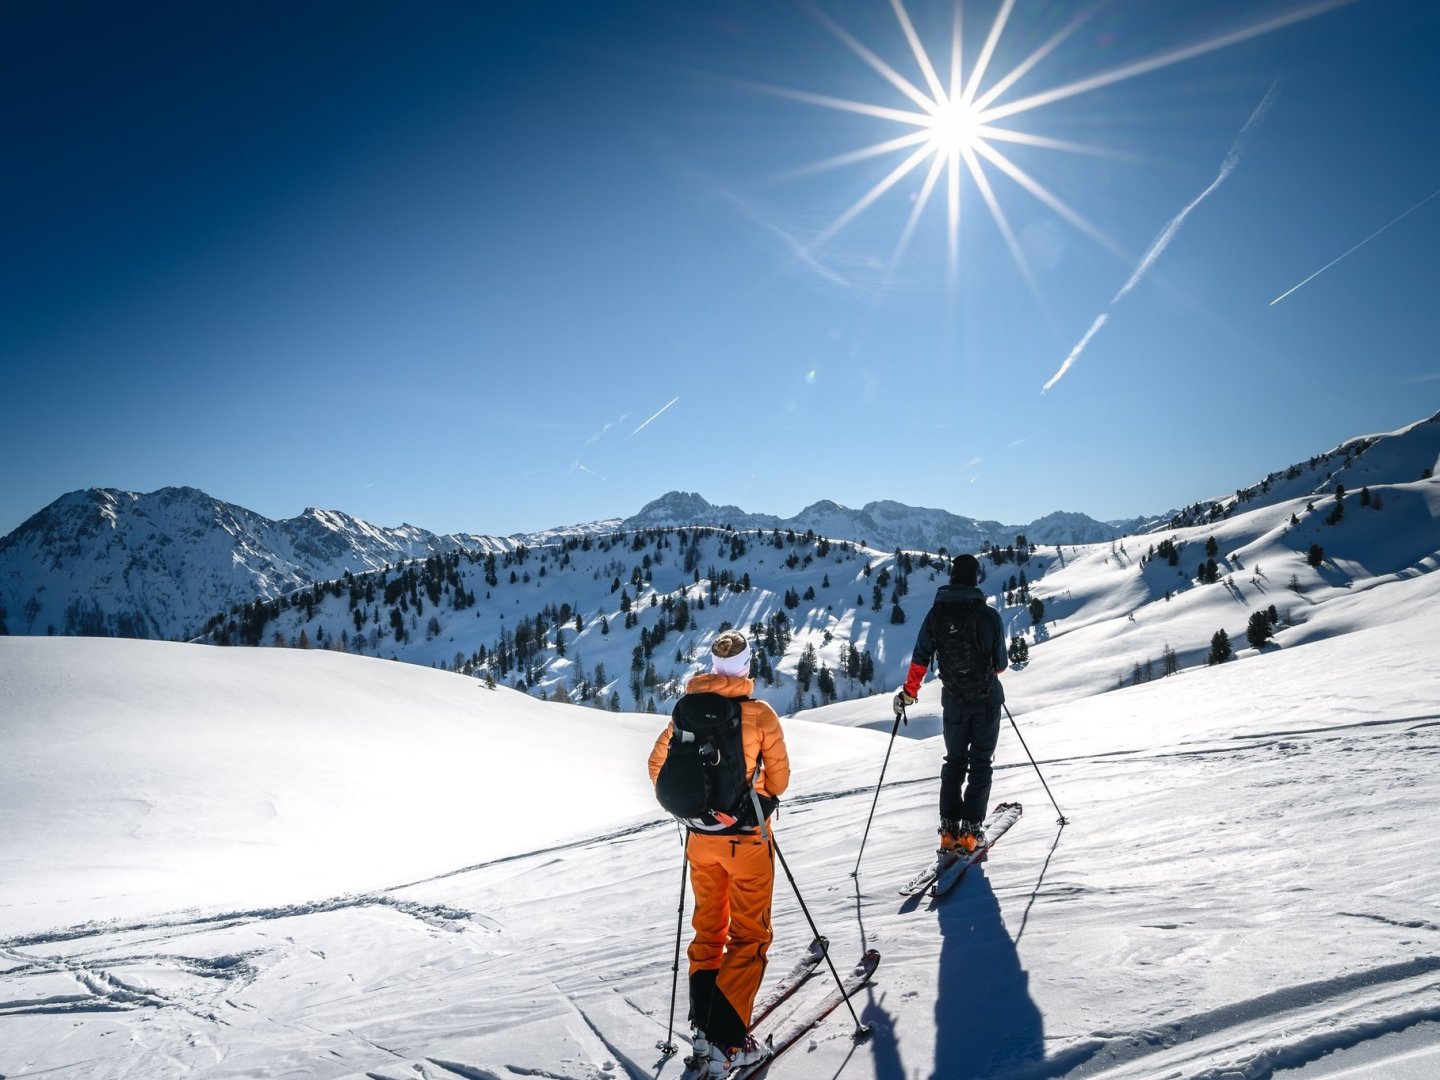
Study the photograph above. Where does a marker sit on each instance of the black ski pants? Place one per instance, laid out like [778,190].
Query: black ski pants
[972,729]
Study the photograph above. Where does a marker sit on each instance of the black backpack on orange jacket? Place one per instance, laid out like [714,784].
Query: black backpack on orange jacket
[703,781]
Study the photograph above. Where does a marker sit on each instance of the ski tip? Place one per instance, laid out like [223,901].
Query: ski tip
[863,1033]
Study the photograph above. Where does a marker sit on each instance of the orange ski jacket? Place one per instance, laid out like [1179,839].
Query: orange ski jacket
[760,733]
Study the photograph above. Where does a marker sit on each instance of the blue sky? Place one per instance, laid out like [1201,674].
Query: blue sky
[496,267]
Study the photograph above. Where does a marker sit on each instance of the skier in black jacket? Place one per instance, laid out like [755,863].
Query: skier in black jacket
[969,638]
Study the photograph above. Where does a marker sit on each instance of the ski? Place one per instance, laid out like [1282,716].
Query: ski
[941,862]
[996,825]
[788,1034]
[793,979]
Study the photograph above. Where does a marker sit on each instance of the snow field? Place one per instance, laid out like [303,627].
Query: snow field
[273,863]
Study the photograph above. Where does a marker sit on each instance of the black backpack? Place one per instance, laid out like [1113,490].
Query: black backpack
[702,780]
[964,643]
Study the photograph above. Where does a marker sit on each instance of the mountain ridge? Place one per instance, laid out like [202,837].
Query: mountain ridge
[107,561]
[157,564]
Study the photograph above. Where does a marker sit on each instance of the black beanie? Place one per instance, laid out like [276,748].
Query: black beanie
[965,570]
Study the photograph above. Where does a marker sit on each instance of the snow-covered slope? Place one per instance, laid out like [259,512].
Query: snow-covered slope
[229,863]
[1396,457]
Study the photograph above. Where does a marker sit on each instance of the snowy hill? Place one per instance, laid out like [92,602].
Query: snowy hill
[239,863]
[1411,453]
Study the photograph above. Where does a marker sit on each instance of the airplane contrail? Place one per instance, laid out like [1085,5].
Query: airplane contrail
[1354,249]
[662,409]
[1162,241]
[1075,352]
[577,467]
[1232,159]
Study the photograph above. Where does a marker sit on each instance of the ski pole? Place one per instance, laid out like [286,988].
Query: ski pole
[1062,819]
[876,800]
[861,1031]
[668,1047]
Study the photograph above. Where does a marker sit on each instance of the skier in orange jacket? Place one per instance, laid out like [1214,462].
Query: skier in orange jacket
[732,872]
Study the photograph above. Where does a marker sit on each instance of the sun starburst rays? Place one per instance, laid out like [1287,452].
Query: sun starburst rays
[953,127]
[953,134]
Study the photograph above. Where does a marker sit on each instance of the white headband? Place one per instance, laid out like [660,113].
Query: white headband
[739,664]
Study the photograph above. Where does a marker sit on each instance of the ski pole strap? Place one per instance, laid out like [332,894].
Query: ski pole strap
[759,812]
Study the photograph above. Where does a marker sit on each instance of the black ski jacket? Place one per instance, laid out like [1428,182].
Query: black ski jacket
[925,642]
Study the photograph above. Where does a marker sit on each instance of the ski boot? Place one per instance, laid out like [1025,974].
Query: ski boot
[971,837]
[950,834]
[722,1063]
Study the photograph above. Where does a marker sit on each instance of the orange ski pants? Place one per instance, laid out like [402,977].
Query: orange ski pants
[733,880]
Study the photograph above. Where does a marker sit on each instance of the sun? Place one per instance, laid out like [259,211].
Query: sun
[955,128]
[951,133]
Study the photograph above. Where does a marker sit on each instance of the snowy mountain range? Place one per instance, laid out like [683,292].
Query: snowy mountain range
[158,565]
[885,525]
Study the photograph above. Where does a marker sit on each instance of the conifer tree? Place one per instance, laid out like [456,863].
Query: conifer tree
[1019,651]
[825,682]
[1258,631]
[1220,650]
[806,667]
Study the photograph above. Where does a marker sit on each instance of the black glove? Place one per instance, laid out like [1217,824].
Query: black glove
[902,699]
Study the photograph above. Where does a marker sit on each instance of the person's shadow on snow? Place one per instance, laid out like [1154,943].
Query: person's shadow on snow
[986,1023]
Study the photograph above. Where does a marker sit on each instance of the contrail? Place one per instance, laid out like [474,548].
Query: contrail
[1356,248]
[662,409]
[604,430]
[1232,159]
[581,468]
[1161,242]
[1075,352]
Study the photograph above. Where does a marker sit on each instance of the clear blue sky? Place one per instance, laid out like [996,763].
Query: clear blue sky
[440,263]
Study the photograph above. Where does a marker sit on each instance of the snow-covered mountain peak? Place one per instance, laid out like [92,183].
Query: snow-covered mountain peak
[676,508]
